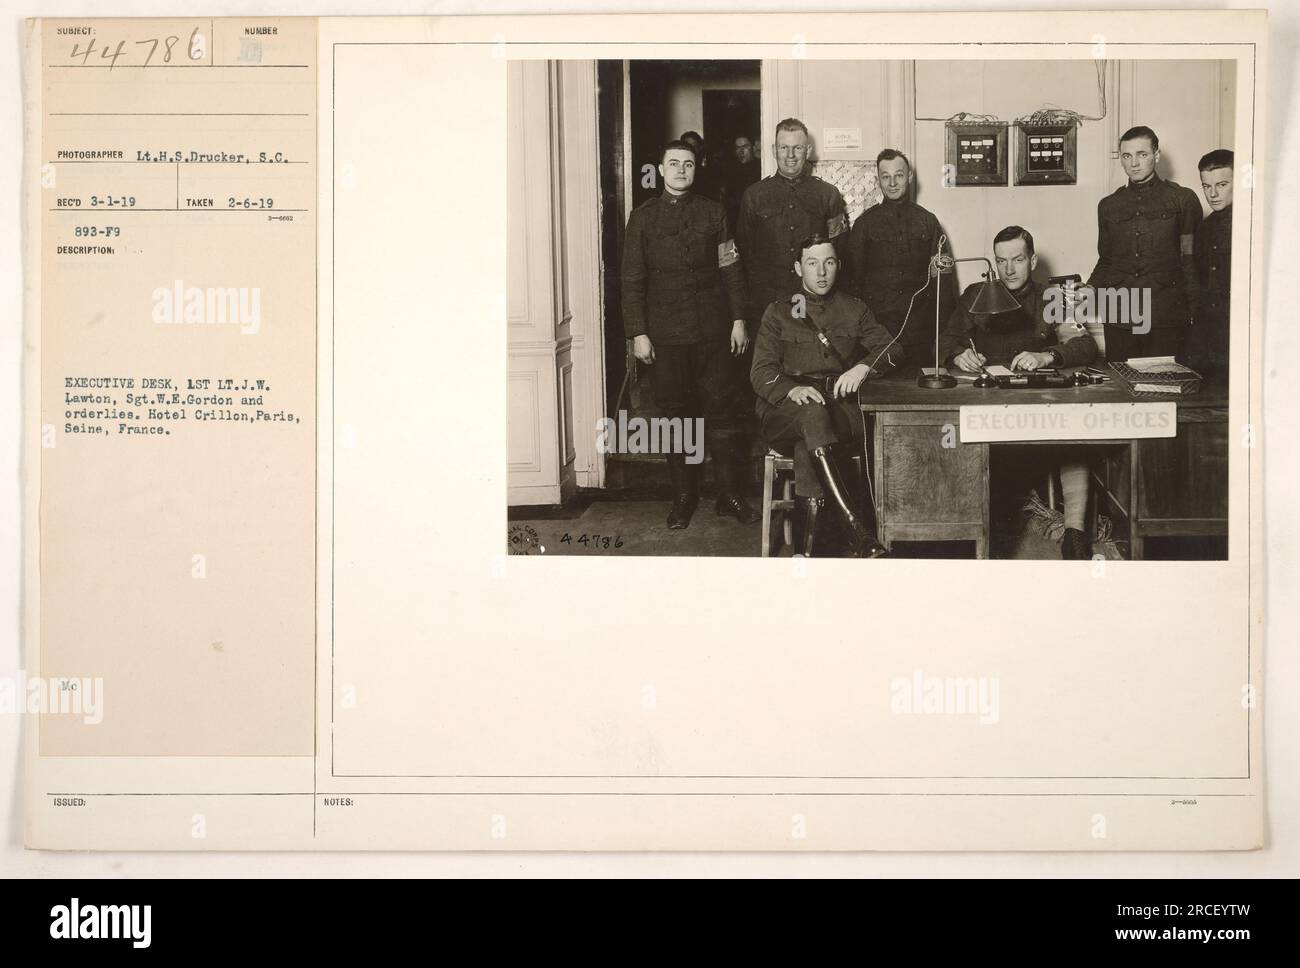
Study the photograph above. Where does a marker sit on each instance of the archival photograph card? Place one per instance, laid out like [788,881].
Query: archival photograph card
[712,433]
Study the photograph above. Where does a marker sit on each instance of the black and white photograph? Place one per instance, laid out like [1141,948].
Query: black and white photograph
[872,308]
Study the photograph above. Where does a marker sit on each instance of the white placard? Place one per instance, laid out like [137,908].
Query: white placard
[1067,421]
[841,139]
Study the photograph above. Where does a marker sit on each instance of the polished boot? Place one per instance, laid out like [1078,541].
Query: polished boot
[731,499]
[686,495]
[811,507]
[862,542]
[1074,545]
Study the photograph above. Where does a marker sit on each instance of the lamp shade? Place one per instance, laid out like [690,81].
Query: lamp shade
[992,297]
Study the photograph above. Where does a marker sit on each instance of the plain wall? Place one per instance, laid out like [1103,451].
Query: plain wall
[685,95]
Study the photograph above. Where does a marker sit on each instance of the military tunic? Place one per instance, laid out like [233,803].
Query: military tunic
[682,281]
[1000,337]
[789,353]
[736,182]
[1145,239]
[776,214]
[1209,335]
[682,287]
[888,252]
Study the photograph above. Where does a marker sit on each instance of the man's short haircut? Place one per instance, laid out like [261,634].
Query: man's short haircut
[1141,131]
[889,154]
[792,124]
[692,136]
[678,145]
[815,240]
[739,136]
[1218,158]
[1013,232]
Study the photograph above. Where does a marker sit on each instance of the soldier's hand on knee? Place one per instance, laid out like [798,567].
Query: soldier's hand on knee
[739,337]
[802,395]
[643,349]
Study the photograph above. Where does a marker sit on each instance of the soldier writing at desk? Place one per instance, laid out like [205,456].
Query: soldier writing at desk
[1025,339]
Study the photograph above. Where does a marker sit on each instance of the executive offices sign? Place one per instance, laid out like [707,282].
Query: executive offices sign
[1067,421]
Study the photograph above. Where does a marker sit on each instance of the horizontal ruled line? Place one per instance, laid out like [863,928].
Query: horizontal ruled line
[118,67]
[179,114]
[641,793]
[101,161]
[207,211]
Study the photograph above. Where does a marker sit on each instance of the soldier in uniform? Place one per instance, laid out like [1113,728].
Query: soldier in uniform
[1207,350]
[892,253]
[814,349]
[683,298]
[705,182]
[1026,338]
[1145,235]
[777,213]
[741,171]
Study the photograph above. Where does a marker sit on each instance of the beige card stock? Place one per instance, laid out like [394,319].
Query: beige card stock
[283,304]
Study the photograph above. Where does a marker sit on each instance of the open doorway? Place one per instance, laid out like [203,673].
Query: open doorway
[643,104]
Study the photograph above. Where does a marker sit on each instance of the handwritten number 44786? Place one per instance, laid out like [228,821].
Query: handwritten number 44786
[591,541]
[198,48]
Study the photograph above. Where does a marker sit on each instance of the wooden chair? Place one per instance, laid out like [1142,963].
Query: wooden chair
[773,465]
[778,470]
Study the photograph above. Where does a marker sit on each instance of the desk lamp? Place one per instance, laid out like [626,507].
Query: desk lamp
[990,298]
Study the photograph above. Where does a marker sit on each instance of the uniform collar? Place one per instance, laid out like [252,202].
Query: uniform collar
[803,177]
[671,199]
[898,204]
[1025,294]
[815,299]
[1147,185]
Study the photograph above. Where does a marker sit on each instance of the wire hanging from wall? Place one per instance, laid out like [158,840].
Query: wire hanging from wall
[1054,114]
[962,117]
[1048,114]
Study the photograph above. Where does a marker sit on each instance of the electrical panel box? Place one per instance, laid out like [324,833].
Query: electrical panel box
[976,153]
[1046,154]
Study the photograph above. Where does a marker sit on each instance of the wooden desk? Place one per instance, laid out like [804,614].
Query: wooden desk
[925,491]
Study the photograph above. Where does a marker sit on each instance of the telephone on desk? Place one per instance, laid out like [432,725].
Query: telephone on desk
[999,377]
[1005,379]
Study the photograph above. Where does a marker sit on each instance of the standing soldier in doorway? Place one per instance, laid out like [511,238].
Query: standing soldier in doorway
[1145,239]
[892,253]
[706,182]
[683,298]
[741,171]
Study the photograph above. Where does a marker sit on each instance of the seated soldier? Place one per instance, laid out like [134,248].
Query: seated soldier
[1025,339]
[813,351]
